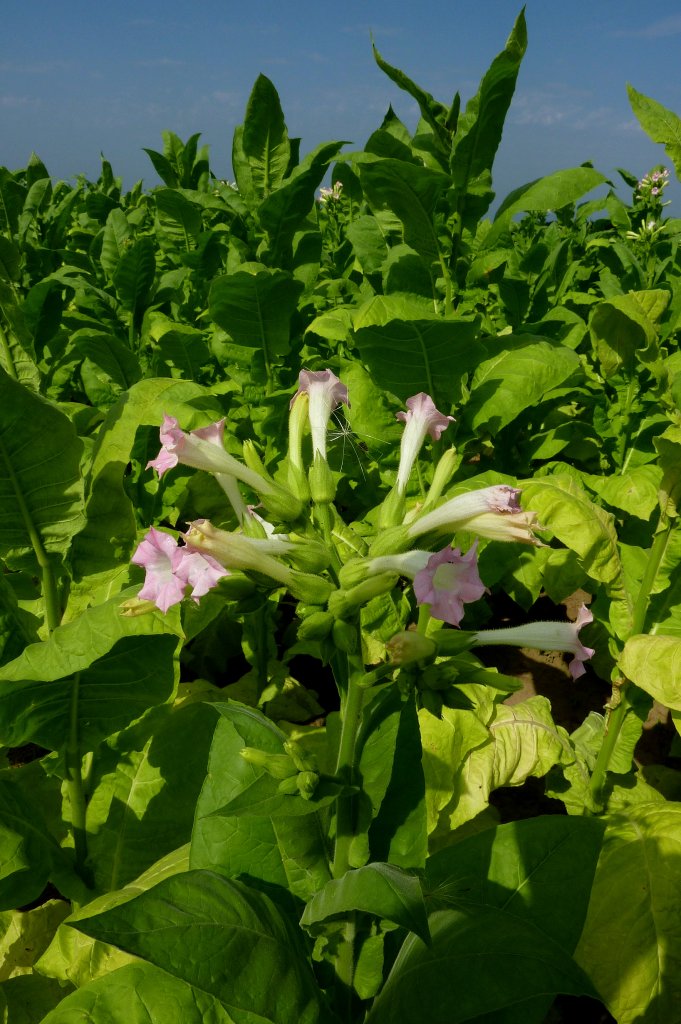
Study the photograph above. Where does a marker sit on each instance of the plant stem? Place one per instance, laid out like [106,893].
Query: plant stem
[74,786]
[351,712]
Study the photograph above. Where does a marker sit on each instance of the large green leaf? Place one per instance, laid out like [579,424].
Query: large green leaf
[255,306]
[654,664]
[624,327]
[550,193]
[40,483]
[26,848]
[78,959]
[631,945]
[379,889]
[289,853]
[179,220]
[196,924]
[515,379]
[660,124]
[139,994]
[411,192]
[143,795]
[482,960]
[100,672]
[539,869]
[563,507]
[134,275]
[432,111]
[265,139]
[406,354]
[480,126]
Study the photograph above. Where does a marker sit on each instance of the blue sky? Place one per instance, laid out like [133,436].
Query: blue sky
[80,78]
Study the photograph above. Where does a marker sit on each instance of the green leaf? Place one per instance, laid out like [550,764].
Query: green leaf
[482,960]
[140,994]
[432,111]
[513,380]
[625,327]
[406,354]
[143,796]
[24,935]
[79,959]
[654,664]
[255,305]
[289,853]
[660,124]
[134,274]
[115,240]
[210,918]
[634,490]
[179,219]
[40,481]
[29,997]
[380,889]
[265,139]
[631,946]
[411,192]
[563,507]
[480,126]
[26,848]
[545,194]
[103,668]
[368,243]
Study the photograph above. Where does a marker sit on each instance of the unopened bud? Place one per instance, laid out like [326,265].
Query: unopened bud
[391,541]
[311,589]
[410,646]
[322,486]
[316,626]
[344,603]
[307,783]
[345,636]
[279,766]
[392,509]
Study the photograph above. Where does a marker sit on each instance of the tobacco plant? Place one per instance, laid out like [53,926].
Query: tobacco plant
[257,762]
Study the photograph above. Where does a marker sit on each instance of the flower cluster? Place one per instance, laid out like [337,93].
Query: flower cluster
[443,581]
[330,194]
[653,184]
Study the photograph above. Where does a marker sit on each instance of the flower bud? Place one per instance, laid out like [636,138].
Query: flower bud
[391,541]
[316,626]
[410,646]
[279,766]
[322,486]
[345,636]
[311,589]
[392,509]
[344,603]
[307,784]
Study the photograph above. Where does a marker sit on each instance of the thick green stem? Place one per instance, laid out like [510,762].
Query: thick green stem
[352,696]
[74,786]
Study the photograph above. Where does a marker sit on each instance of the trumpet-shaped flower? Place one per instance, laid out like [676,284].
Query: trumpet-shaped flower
[421,419]
[325,392]
[171,569]
[545,636]
[203,449]
[449,581]
[492,512]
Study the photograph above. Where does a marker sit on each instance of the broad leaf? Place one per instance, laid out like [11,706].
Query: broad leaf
[139,994]
[631,946]
[255,306]
[513,380]
[99,673]
[654,664]
[661,124]
[40,482]
[379,889]
[216,921]
[265,139]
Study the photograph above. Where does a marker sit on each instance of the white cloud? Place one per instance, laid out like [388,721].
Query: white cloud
[658,29]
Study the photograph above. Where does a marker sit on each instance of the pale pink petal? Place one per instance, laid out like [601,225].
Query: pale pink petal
[449,581]
[161,558]
[422,408]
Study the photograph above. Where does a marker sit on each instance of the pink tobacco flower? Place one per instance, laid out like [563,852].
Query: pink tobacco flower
[421,419]
[449,581]
[492,512]
[325,392]
[171,569]
[546,636]
[202,449]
